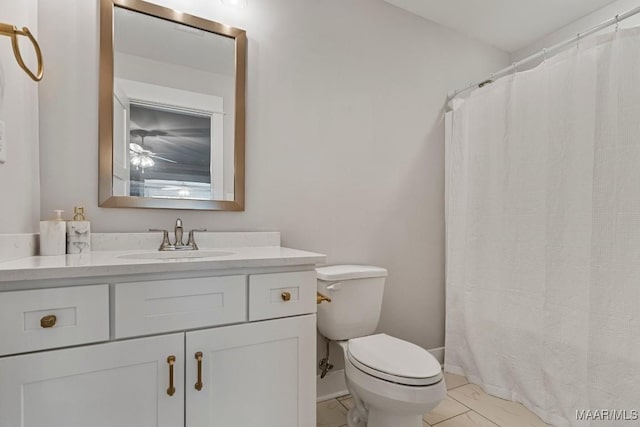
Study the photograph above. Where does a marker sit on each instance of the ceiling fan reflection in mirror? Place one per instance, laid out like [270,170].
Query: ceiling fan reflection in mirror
[140,157]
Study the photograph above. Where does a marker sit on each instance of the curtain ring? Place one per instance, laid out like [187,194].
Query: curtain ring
[514,66]
[578,40]
[544,54]
[617,22]
[490,80]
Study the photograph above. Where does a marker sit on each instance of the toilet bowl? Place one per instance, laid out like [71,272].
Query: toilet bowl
[393,382]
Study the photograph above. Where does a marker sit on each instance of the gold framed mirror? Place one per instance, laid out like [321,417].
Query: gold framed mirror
[171,109]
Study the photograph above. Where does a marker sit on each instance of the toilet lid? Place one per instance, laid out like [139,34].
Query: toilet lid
[394,360]
[333,273]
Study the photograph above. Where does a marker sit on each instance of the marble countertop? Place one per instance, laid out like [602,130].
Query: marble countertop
[111,263]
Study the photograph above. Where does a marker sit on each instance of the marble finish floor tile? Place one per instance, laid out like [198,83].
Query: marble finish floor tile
[330,413]
[502,412]
[454,381]
[448,408]
[347,402]
[466,405]
[469,419]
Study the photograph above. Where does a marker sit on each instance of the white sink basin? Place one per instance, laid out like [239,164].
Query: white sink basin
[177,255]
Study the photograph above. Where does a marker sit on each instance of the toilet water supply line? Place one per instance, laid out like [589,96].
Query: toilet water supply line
[325,365]
[547,51]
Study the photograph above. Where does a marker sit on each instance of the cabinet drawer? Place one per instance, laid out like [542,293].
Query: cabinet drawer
[143,308]
[50,318]
[281,294]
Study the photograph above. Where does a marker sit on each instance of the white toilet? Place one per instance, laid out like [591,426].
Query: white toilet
[393,382]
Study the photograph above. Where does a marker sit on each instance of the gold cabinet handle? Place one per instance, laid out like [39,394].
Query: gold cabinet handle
[171,360]
[199,382]
[286,296]
[48,321]
[320,298]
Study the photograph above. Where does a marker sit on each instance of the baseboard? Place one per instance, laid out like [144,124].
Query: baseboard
[438,353]
[331,386]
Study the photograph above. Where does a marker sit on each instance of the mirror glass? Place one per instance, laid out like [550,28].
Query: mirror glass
[175,137]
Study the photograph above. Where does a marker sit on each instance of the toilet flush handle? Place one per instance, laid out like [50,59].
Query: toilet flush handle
[321,298]
[335,286]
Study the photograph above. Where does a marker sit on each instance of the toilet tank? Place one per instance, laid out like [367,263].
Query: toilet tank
[356,299]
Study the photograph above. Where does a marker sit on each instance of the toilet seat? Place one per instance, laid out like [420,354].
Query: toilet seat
[394,360]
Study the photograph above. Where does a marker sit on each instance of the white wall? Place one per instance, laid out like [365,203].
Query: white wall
[583,24]
[345,135]
[19,177]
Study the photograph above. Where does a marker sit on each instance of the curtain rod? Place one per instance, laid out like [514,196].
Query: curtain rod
[546,51]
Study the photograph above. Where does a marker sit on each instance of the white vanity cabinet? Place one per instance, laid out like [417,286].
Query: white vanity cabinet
[180,353]
[107,385]
[255,374]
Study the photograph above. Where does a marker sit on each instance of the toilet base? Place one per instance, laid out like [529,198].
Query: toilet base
[376,418]
[379,403]
[354,418]
[380,408]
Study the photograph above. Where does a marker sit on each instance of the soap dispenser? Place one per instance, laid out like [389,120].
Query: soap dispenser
[52,235]
[78,233]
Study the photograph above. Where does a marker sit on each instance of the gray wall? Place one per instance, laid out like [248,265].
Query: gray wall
[345,136]
[19,176]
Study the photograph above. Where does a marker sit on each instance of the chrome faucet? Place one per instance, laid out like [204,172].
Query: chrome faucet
[178,233]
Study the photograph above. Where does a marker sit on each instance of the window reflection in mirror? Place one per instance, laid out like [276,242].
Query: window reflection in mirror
[174,147]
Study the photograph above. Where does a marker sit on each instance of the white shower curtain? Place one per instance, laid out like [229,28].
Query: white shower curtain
[543,234]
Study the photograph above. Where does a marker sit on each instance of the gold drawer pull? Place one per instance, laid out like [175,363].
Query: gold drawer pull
[48,321]
[171,360]
[199,359]
[286,296]
[320,298]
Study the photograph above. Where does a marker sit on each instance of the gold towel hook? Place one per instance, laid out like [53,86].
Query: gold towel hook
[14,32]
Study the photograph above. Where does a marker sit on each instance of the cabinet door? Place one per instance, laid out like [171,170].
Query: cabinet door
[120,384]
[256,374]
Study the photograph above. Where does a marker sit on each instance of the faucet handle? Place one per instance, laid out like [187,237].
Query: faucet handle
[166,244]
[192,241]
